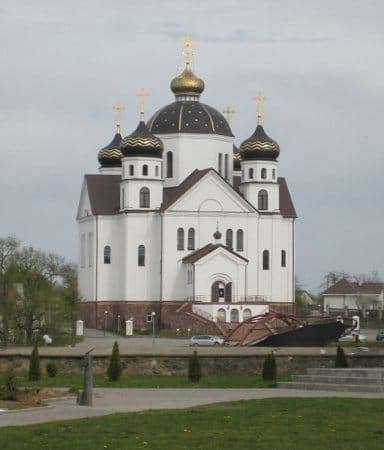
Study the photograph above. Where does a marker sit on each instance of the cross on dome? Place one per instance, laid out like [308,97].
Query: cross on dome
[142,94]
[187,45]
[228,112]
[260,99]
[118,107]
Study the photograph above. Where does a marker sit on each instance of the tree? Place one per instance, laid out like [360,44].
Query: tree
[71,296]
[34,373]
[10,389]
[269,368]
[114,370]
[8,250]
[194,368]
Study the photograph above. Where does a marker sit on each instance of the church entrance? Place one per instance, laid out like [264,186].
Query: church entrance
[221,292]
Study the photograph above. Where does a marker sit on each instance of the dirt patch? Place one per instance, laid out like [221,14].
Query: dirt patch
[31,397]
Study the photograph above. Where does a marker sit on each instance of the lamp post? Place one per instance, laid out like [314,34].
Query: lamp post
[153,327]
[118,323]
[105,321]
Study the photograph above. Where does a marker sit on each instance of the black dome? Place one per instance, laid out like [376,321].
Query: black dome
[142,143]
[110,156]
[259,146]
[189,117]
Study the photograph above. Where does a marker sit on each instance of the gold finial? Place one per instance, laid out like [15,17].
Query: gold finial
[228,112]
[187,45]
[118,107]
[260,98]
[142,94]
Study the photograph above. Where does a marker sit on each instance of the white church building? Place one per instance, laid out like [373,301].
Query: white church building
[181,225]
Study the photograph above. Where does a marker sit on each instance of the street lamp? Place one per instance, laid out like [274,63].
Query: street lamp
[118,323]
[105,321]
[153,314]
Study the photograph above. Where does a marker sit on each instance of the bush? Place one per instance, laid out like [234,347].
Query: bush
[341,359]
[114,370]
[34,373]
[10,388]
[194,368]
[269,368]
[51,370]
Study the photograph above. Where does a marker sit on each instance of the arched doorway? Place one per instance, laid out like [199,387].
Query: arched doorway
[221,315]
[247,314]
[221,292]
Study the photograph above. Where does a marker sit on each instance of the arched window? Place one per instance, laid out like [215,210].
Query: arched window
[234,315]
[220,164]
[191,239]
[107,254]
[265,260]
[156,171]
[229,238]
[263,173]
[250,173]
[263,199]
[141,255]
[247,313]
[221,315]
[180,239]
[122,198]
[240,240]
[144,197]
[226,167]
[145,170]
[273,173]
[283,258]
[169,164]
[131,170]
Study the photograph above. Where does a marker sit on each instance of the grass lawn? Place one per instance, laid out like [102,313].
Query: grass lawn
[148,381]
[281,423]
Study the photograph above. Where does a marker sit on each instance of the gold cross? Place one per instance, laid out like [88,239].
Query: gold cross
[228,112]
[118,107]
[187,45]
[142,94]
[260,98]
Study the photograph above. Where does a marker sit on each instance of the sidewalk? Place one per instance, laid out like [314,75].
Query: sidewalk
[113,400]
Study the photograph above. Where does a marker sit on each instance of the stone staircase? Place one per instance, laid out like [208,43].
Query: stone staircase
[349,380]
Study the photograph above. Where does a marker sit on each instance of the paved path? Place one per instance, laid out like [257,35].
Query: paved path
[112,400]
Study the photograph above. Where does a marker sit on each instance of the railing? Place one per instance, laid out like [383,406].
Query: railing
[202,313]
[234,299]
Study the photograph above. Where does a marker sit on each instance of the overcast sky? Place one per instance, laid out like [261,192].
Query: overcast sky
[319,63]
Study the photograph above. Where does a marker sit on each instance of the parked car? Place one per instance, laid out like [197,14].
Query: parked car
[347,336]
[205,339]
[380,336]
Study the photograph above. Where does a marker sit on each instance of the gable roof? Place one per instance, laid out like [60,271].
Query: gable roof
[204,251]
[104,193]
[345,287]
[286,205]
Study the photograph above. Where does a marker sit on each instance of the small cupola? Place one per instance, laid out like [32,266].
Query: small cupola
[110,155]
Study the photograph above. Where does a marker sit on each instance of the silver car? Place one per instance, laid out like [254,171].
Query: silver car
[206,339]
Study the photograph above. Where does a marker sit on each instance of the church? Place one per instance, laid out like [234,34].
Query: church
[182,227]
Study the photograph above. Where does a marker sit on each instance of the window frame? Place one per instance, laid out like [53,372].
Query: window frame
[180,239]
[144,197]
[240,240]
[266,261]
[169,164]
[262,200]
[229,238]
[191,239]
[107,254]
[141,255]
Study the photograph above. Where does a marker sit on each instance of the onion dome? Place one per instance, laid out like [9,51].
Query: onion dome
[236,158]
[259,146]
[217,235]
[110,156]
[142,143]
[187,83]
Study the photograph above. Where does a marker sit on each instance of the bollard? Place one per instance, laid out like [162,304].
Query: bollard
[85,397]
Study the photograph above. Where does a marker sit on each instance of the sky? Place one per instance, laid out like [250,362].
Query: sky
[319,63]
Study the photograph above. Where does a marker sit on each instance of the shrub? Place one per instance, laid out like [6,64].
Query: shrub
[34,373]
[194,368]
[114,369]
[10,388]
[51,370]
[341,359]
[269,368]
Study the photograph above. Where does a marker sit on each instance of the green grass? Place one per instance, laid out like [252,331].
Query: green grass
[150,381]
[270,424]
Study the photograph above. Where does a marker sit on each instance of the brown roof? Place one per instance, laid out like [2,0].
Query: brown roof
[104,193]
[203,251]
[286,205]
[345,287]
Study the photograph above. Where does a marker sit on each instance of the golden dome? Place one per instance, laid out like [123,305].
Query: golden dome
[187,83]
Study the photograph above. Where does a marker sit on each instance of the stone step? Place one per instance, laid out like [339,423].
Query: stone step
[329,387]
[337,379]
[348,372]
